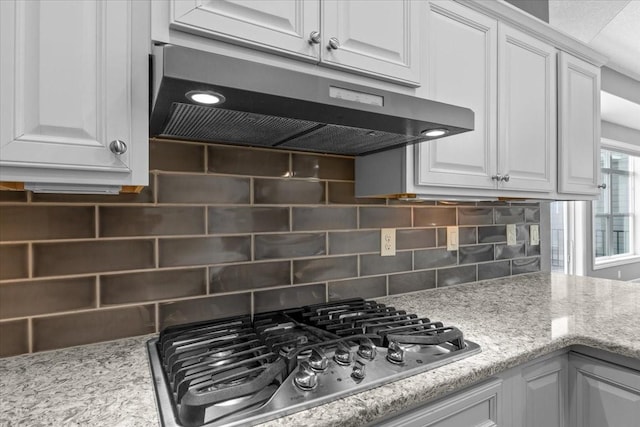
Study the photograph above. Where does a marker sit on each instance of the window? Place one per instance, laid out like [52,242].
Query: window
[614,211]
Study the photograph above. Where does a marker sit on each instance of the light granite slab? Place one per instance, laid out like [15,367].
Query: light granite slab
[514,319]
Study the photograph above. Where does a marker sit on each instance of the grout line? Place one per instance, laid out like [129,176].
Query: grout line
[387,284]
[252,304]
[156,251]
[156,319]
[98,285]
[326,291]
[206,220]
[207,274]
[30,260]
[96,221]
[206,158]
[30,334]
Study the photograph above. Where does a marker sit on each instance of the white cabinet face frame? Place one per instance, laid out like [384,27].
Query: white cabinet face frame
[280,26]
[578,126]
[72,80]
[526,111]
[379,38]
[462,57]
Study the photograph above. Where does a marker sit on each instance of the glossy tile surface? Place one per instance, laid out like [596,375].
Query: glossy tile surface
[247,219]
[322,269]
[411,282]
[46,296]
[53,259]
[46,222]
[378,217]
[289,297]
[351,242]
[324,167]
[92,326]
[152,286]
[13,338]
[176,156]
[243,161]
[367,287]
[321,218]
[371,264]
[294,245]
[288,191]
[231,278]
[202,189]
[14,261]
[432,217]
[198,309]
[204,250]
[151,221]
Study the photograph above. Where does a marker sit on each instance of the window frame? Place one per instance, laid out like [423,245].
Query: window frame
[634,218]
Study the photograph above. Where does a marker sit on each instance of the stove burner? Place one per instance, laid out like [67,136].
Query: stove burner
[241,371]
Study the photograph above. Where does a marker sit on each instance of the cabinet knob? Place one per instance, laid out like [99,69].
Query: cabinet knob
[497,177]
[118,147]
[314,37]
[603,186]
[506,178]
[334,43]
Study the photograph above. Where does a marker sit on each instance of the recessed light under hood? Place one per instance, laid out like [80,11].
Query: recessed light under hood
[266,106]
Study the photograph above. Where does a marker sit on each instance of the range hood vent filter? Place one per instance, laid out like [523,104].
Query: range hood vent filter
[198,123]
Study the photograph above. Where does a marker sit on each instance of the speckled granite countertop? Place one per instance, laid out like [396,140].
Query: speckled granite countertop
[514,320]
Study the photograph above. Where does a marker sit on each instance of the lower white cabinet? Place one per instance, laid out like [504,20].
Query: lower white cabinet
[475,407]
[563,389]
[603,394]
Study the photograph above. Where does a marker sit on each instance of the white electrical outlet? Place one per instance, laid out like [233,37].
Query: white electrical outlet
[388,242]
[534,232]
[452,238]
[511,234]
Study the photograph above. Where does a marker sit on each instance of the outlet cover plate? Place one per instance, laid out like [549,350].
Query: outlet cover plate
[388,242]
[452,238]
[534,232]
[511,234]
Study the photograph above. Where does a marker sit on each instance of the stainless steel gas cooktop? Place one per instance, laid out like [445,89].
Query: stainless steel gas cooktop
[243,371]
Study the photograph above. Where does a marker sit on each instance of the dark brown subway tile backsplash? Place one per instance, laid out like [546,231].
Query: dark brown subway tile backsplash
[224,231]
[64,258]
[14,261]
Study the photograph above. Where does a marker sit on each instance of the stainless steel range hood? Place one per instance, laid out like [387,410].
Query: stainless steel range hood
[268,106]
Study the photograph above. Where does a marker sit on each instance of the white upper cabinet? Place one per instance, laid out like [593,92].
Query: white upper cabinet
[373,37]
[578,126]
[508,79]
[74,79]
[380,39]
[462,70]
[526,112]
[284,27]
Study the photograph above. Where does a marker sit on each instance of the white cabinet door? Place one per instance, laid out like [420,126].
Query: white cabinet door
[379,38]
[544,392]
[462,66]
[578,126]
[281,26]
[603,394]
[73,79]
[526,111]
[479,406]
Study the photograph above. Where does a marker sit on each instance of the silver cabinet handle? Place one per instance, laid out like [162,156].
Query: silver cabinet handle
[314,37]
[506,178]
[334,43]
[118,147]
[603,186]
[497,177]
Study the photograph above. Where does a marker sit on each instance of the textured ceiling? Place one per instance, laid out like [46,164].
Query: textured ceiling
[612,27]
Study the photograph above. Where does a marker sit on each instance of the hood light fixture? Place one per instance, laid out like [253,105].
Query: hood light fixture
[432,133]
[205,97]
